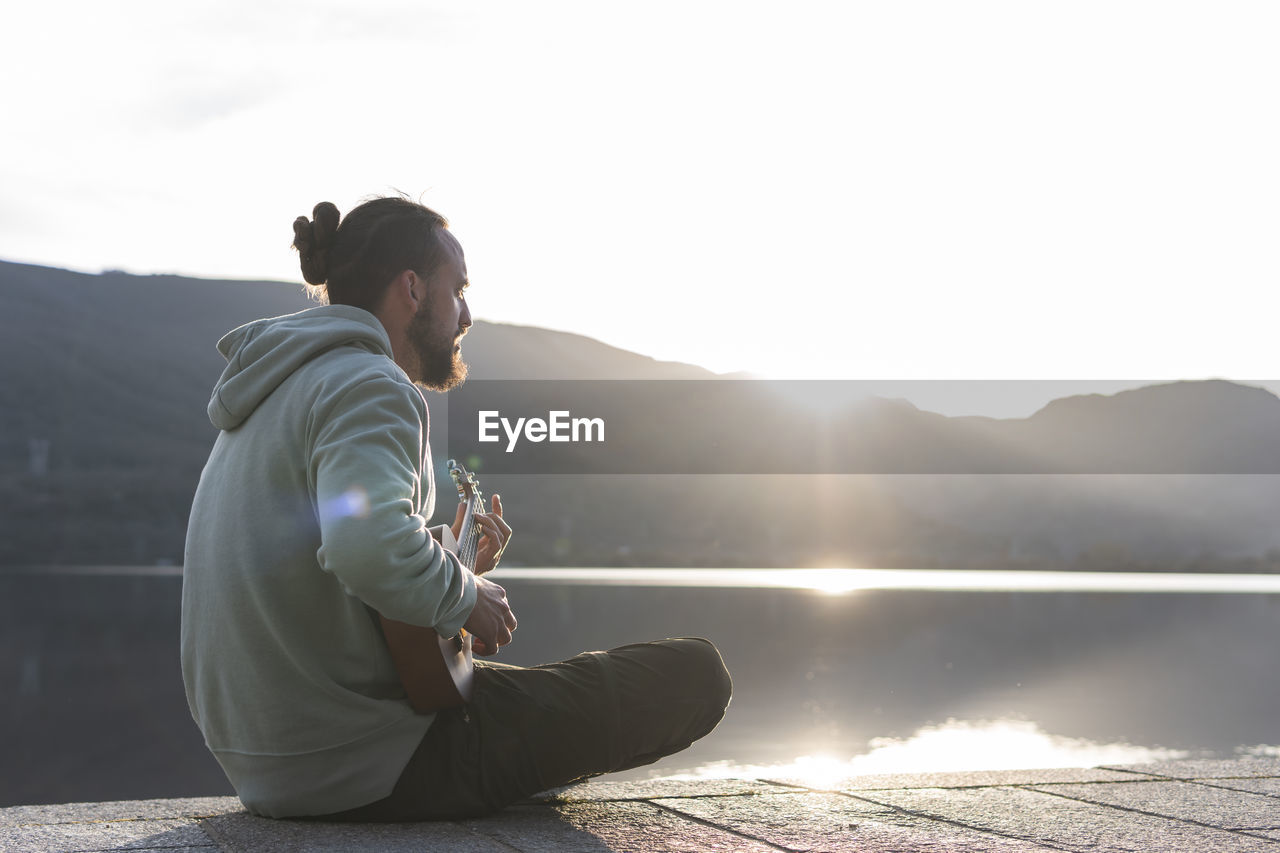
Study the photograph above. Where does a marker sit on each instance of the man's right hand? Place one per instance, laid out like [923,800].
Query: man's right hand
[491,621]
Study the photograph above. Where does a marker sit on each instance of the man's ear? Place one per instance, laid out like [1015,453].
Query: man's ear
[417,287]
[405,288]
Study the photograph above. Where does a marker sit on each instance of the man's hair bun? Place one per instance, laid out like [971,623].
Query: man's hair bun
[313,239]
[378,239]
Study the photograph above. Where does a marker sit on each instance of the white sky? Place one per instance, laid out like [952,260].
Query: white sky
[872,190]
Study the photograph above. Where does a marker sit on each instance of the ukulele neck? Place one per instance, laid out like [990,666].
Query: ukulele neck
[469,532]
[469,538]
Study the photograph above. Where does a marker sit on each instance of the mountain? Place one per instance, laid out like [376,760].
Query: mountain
[104,381]
[1210,427]
[508,351]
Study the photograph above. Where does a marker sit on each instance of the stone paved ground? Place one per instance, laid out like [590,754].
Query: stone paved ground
[1200,806]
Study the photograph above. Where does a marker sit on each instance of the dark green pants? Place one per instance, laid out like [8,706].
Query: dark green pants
[529,729]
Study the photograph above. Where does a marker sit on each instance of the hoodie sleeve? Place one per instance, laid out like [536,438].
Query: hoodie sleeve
[369,449]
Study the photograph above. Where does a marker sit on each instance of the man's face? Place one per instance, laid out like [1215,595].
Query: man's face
[436,330]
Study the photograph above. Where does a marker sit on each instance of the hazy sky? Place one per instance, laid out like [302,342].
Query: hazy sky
[880,190]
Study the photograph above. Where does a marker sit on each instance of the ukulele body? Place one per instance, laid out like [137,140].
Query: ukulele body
[438,672]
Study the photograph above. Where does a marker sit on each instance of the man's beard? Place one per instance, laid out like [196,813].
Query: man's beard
[440,366]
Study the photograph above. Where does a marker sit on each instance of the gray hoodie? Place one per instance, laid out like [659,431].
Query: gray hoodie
[309,521]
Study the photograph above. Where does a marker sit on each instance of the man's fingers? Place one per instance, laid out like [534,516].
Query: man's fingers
[493,527]
[508,617]
[489,534]
[491,619]
[492,645]
[489,526]
[496,529]
[495,534]
[496,501]
[483,647]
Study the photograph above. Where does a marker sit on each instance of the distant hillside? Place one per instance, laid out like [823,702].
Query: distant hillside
[104,381]
[508,351]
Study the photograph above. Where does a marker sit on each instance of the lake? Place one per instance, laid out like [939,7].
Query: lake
[834,671]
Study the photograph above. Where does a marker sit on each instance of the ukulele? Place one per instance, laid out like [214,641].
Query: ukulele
[436,672]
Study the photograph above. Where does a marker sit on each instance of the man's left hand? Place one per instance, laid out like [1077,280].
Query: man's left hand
[494,534]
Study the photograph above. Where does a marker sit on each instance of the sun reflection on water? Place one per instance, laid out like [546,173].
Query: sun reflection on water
[838,580]
[957,745]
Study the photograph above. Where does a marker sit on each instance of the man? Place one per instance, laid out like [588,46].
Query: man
[309,528]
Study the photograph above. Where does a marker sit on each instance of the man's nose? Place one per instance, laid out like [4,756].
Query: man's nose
[464,319]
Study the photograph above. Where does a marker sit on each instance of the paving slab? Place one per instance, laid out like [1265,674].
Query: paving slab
[833,822]
[245,833]
[1220,807]
[1268,787]
[118,810]
[104,835]
[1065,823]
[1207,768]
[603,791]
[1200,806]
[625,827]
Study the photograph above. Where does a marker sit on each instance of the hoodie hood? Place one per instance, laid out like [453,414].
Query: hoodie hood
[262,354]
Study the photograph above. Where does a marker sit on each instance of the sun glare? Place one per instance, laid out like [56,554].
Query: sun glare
[830,581]
[1008,744]
[954,746]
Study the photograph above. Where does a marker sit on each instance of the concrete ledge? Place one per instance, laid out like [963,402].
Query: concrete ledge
[1198,806]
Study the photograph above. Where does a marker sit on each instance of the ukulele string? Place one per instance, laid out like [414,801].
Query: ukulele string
[469,548]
